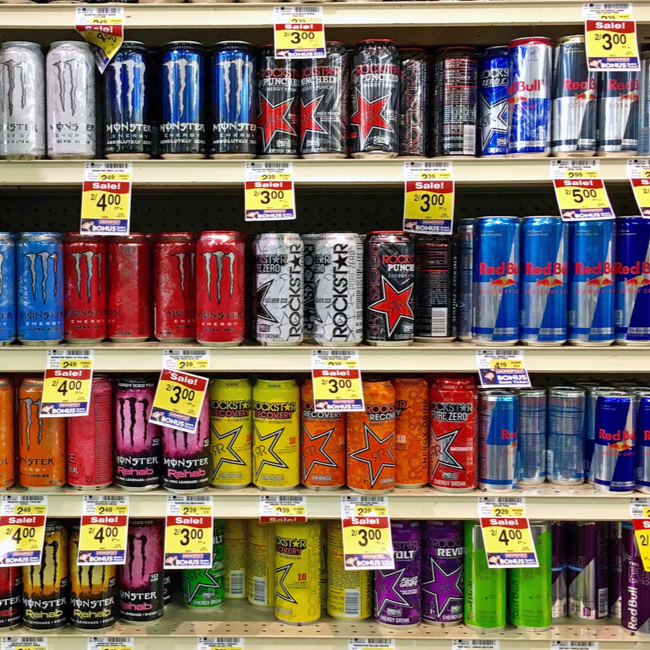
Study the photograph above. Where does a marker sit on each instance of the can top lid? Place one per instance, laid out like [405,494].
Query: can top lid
[166,236]
[630,216]
[134,236]
[174,44]
[499,391]
[335,43]
[26,44]
[456,48]
[82,44]
[376,40]
[41,235]
[492,48]
[574,38]
[618,393]
[499,217]
[276,379]
[33,381]
[222,43]
[389,232]
[530,40]
[222,233]
[569,390]
[532,392]
[411,49]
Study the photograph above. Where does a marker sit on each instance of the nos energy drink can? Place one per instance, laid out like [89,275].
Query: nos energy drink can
[618,114]
[7,288]
[493,70]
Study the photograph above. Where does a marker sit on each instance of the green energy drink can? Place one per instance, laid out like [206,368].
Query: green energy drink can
[260,564]
[234,533]
[530,590]
[206,587]
[485,588]
[323,565]
[231,432]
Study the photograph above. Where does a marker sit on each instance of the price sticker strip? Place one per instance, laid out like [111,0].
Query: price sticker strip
[506,532]
[103,29]
[106,199]
[610,36]
[186,359]
[574,645]
[103,533]
[188,533]
[67,383]
[178,400]
[24,643]
[640,511]
[371,644]
[638,171]
[429,197]
[502,369]
[336,380]
[110,643]
[580,192]
[299,32]
[269,191]
[283,509]
[474,644]
[22,530]
[220,643]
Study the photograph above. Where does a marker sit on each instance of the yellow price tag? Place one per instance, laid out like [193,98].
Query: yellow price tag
[196,510]
[21,538]
[188,535]
[506,363]
[370,536]
[66,364]
[642,534]
[110,200]
[428,198]
[299,35]
[269,195]
[112,509]
[192,364]
[611,43]
[268,187]
[336,380]
[66,393]
[178,400]
[366,511]
[508,511]
[507,535]
[102,539]
[103,29]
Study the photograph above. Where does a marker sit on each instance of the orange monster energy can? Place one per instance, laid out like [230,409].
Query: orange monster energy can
[7,453]
[371,436]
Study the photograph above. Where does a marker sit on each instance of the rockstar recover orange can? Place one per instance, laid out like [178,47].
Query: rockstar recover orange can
[322,443]
[411,432]
[371,436]
[7,454]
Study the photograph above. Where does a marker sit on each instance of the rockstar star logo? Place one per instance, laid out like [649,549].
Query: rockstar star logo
[496,123]
[223,448]
[275,118]
[316,452]
[262,311]
[393,304]
[444,587]
[369,116]
[285,595]
[377,454]
[388,593]
[206,579]
[309,121]
[444,443]
[264,453]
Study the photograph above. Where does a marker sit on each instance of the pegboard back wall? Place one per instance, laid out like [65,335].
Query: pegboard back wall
[318,211]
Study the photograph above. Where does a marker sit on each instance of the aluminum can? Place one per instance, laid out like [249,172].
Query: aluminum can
[322,444]
[455,72]
[129,267]
[204,588]
[168,586]
[186,456]
[138,448]
[11,596]
[560,594]
[324,93]
[279,287]
[643,442]
[454,434]
[22,101]
[7,442]
[338,289]
[544,279]
[529,97]
[233,100]
[7,288]
[492,119]
[615,443]
[593,392]
[485,588]
[276,437]
[45,586]
[323,566]
[128,93]
[154,74]
[371,437]
[182,129]
[635,590]
[278,107]
[90,452]
[632,273]
[465,278]
[615,553]
[309,320]
[436,282]
[93,591]
[297,573]
[618,113]
[566,433]
[587,570]
[496,281]
[574,100]
[39,267]
[389,285]
[411,451]
[413,106]
[260,564]
[41,442]
[591,283]
[231,432]
[375,99]
[174,287]
[234,535]
[643,148]
[71,120]
[141,577]
[84,270]
[530,466]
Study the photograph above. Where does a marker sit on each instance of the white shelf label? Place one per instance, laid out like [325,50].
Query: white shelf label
[220,643]
[24,642]
[283,509]
[364,644]
[186,359]
[110,643]
[474,644]
[574,645]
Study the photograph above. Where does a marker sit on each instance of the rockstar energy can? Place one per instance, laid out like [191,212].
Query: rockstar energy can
[297,573]
[234,537]
[322,444]
[276,449]
[371,434]
[7,453]
[260,564]
[231,433]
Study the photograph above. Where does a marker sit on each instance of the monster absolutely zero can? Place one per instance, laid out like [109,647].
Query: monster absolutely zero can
[174,287]
[371,439]
[618,113]
[90,440]
[7,436]
[492,118]
[11,596]
[635,588]
[454,434]
[465,278]
[7,288]
[375,97]
[411,449]
[84,268]
[413,108]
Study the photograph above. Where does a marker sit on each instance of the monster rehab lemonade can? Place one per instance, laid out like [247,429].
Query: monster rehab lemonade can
[411,432]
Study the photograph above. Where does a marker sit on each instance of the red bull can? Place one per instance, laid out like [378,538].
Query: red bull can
[643,442]
[618,113]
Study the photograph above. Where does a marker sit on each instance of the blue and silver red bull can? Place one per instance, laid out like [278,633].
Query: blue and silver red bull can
[566,432]
[643,147]
[495,309]
[465,278]
[531,437]
[618,113]
[498,424]
[529,97]
[614,454]
[632,270]
[7,288]
[493,71]
[544,279]
[643,442]
[593,393]
[591,282]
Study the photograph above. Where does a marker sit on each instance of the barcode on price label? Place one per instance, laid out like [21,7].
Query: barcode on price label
[574,645]
[474,644]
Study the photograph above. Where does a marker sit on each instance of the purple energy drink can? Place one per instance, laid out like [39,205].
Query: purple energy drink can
[397,591]
[442,572]
[559,606]
[615,569]
[635,607]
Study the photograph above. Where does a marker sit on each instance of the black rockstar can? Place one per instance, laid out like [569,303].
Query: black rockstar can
[374,112]
[324,89]
[413,118]
[278,114]
[389,284]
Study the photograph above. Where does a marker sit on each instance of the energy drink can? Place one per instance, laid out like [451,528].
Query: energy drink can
[593,392]
[643,147]
[615,553]
[45,586]
[465,278]
[203,588]
[322,444]
[643,442]
[7,438]
[141,598]
[560,597]
[11,596]
[566,434]
[276,439]
[530,467]
[260,564]
[618,113]
[297,573]
[41,442]
[168,587]
[234,535]
[413,107]
[7,288]
[411,450]
[309,324]
[323,566]
[636,586]
[493,102]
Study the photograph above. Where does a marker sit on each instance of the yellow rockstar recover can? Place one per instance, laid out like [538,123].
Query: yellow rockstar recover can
[234,537]
[297,573]
[231,432]
[260,564]
[349,593]
[276,438]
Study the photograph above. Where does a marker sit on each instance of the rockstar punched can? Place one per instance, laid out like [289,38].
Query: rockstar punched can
[260,564]
[414,87]
[11,596]
[204,588]
[411,432]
